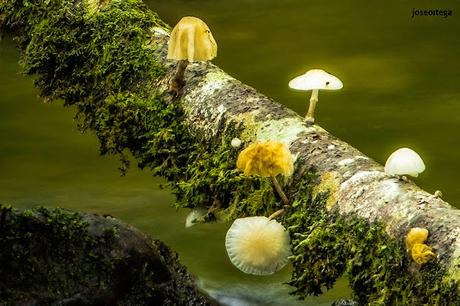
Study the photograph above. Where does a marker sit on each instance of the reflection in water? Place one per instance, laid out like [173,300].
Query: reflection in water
[400,89]
[274,294]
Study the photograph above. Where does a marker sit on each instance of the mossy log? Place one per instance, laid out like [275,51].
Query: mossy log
[60,257]
[108,58]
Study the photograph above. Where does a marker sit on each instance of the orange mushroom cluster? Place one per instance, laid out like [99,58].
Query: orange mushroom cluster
[415,243]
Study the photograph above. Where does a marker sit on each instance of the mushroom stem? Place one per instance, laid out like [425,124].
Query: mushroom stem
[280,192]
[177,82]
[310,117]
[277,213]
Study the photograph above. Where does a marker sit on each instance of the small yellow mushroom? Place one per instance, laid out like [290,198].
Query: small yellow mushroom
[190,41]
[257,245]
[421,253]
[416,235]
[267,159]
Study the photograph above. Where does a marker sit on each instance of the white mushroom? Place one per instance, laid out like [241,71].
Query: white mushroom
[404,161]
[257,245]
[190,41]
[194,216]
[236,142]
[314,80]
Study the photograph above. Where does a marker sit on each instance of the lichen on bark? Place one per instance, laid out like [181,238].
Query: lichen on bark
[327,245]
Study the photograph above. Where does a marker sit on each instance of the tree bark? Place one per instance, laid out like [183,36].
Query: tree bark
[351,184]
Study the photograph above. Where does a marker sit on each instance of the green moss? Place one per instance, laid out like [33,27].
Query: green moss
[327,246]
[42,246]
[99,62]
[55,256]
[210,179]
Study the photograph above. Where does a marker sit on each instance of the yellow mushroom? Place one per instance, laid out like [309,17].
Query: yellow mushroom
[416,235]
[257,245]
[267,159]
[421,253]
[190,41]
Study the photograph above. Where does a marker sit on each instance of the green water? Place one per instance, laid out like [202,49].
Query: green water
[400,77]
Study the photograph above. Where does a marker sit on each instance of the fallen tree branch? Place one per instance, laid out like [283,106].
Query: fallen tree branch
[347,215]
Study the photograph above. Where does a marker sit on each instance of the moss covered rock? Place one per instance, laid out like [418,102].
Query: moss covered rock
[67,258]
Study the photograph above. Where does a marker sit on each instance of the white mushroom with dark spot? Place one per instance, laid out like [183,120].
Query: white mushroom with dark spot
[404,161]
[257,245]
[315,80]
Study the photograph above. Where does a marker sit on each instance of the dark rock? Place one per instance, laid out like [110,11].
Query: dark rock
[60,257]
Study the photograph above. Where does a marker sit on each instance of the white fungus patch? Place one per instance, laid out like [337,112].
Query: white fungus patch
[346,161]
[283,130]
[214,81]
[221,108]
[159,31]
[390,191]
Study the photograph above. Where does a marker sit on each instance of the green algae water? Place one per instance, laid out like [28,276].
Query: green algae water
[400,75]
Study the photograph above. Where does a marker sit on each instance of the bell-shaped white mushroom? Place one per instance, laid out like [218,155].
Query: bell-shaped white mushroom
[315,80]
[257,245]
[404,161]
[190,41]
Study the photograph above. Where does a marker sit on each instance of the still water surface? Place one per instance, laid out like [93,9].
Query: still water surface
[401,78]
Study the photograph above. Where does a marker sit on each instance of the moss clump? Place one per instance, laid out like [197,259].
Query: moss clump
[101,64]
[210,179]
[51,249]
[327,245]
[61,257]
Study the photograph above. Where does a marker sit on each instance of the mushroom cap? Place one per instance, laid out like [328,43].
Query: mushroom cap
[404,161]
[316,79]
[416,235]
[268,158]
[194,216]
[421,253]
[236,142]
[257,245]
[191,40]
